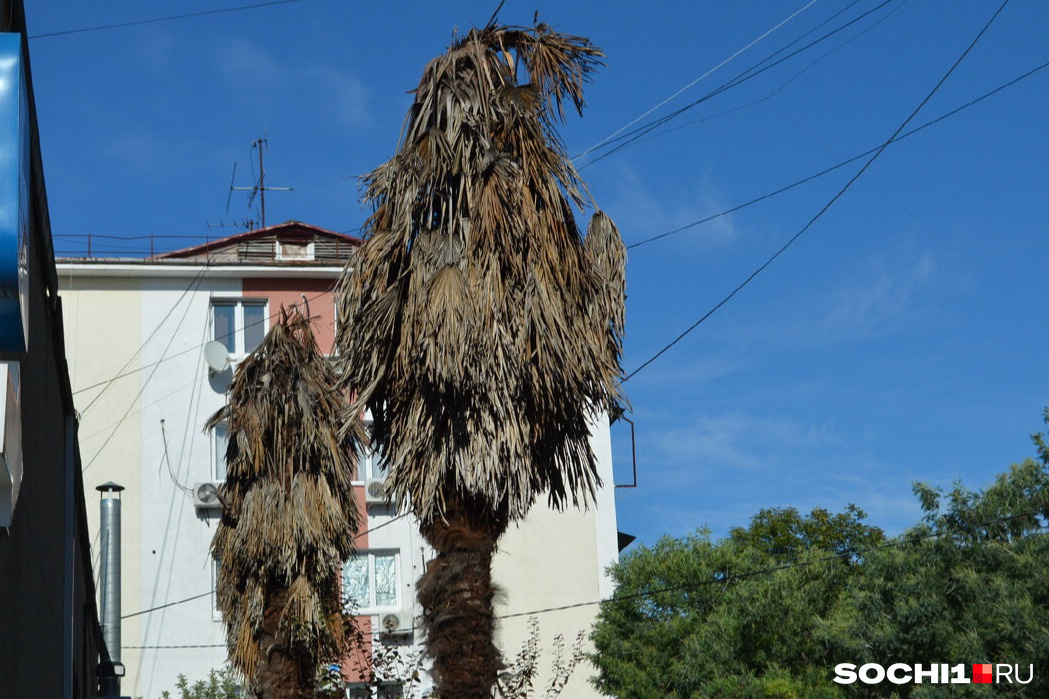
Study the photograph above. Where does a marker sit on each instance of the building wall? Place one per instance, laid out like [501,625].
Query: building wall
[146,432]
[49,634]
[556,559]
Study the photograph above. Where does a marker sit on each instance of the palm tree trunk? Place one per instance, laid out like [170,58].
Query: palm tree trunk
[279,674]
[456,594]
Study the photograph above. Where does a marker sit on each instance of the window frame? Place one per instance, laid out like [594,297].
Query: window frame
[238,303]
[370,458]
[216,613]
[214,476]
[369,607]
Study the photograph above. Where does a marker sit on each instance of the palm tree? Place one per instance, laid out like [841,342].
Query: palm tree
[289,513]
[476,323]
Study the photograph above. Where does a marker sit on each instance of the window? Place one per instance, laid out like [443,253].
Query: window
[369,460]
[369,464]
[370,581]
[219,443]
[216,613]
[239,324]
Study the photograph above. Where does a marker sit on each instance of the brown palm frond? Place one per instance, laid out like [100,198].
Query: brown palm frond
[476,323]
[289,513]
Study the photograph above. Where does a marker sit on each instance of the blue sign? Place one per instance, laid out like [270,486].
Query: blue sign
[14,196]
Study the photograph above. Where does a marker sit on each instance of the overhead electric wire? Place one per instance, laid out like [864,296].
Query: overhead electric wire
[209,592]
[145,383]
[625,139]
[826,206]
[786,83]
[195,281]
[195,348]
[699,79]
[725,578]
[168,18]
[841,164]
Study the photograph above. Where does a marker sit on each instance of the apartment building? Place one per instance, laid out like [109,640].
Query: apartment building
[137,330]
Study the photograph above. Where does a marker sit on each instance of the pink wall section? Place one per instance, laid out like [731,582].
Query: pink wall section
[289,291]
[285,292]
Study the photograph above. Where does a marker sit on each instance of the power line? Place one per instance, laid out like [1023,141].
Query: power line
[145,383]
[629,137]
[839,165]
[196,280]
[786,83]
[103,27]
[697,80]
[209,592]
[195,348]
[826,206]
[724,579]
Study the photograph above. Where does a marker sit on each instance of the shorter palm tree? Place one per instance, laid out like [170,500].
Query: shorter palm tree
[288,512]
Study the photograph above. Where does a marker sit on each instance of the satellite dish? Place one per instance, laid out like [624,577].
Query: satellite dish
[216,356]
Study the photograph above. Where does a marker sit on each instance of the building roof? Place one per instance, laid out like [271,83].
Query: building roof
[288,242]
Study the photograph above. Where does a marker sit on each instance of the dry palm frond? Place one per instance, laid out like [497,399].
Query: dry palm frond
[289,513]
[476,324]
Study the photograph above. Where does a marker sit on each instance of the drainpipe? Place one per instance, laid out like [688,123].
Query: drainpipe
[110,670]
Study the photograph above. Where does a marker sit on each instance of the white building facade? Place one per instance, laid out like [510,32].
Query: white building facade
[136,330]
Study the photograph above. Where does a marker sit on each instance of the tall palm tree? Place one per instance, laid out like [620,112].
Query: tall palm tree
[476,323]
[289,513]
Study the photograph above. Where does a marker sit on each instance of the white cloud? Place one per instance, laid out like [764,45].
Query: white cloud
[883,299]
[258,75]
[642,212]
[733,443]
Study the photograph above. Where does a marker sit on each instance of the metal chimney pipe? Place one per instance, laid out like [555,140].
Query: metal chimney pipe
[111,669]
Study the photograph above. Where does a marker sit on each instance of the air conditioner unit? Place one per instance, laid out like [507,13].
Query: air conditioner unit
[206,496]
[395,623]
[374,492]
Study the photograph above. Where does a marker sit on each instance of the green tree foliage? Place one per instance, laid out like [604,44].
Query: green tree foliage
[220,684]
[772,608]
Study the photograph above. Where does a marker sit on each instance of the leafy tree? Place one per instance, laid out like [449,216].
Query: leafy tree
[220,684]
[772,608]
[288,512]
[477,325]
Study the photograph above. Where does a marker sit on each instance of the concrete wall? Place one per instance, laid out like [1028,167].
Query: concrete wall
[557,559]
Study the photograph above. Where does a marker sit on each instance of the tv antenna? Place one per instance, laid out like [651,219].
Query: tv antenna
[259,189]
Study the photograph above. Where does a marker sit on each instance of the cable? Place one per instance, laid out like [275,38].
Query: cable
[166,605]
[205,594]
[142,389]
[724,579]
[830,203]
[101,430]
[265,319]
[195,281]
[841,164]
[696,81]
[786,83]
[717,578]
[167,459]
[136,22]
[191,645]
[633,135]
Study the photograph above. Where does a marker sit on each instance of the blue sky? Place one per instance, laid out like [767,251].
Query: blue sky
[901,338]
